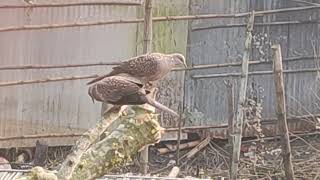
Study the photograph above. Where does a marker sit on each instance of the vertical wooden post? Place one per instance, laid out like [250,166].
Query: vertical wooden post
[147,48]
[230,94]
[237,135]
[281,111]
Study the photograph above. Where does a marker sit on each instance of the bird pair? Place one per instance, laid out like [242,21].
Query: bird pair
[126,83]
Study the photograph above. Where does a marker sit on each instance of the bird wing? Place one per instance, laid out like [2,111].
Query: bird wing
[144,65]
[114,88]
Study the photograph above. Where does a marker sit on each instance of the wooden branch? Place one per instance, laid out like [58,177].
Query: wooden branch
[117,148]
[167,18]
[256,24]
[84,142]
[254,73]
[91,3]
[237,134]
[147,48]
[138,128]
[281,112]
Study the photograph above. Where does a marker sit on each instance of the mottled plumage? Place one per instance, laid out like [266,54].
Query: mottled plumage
[119,90]
[147,67]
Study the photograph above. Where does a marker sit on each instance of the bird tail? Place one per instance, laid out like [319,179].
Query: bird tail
[160,106]
[97,79]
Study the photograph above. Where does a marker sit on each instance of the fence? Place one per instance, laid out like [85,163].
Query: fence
[52,109]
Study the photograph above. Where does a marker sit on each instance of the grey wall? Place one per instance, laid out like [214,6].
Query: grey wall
[226,45]
[58,107]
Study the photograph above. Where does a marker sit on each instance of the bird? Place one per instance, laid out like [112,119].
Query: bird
[147,67]
[122,90]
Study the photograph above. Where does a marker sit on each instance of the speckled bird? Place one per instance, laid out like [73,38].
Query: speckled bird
[148,67]
[119,90]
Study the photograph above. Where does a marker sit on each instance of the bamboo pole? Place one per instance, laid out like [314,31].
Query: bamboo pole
[254,73]
[23,67]
[237,135]
[147,48]
[281,112]
[166,18]
[256,24]
[91,3]
[203,66]
[56,79]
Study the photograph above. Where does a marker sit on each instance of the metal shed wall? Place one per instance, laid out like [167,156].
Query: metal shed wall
[57,107]
[223,45]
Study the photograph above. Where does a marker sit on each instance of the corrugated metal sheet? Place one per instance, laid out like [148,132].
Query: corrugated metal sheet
[58,107]
[226,45]
[9,175]
[169,37]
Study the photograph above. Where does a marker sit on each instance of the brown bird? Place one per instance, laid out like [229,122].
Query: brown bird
[119,90]
[147,67]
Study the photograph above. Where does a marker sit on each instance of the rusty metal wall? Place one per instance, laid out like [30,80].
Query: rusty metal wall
[57,107]
[225,45]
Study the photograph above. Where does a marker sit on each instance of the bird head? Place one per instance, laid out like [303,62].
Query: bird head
[179,59]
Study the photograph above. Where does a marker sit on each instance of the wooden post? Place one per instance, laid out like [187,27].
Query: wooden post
[40,153]
[230,94]
[147,48]
[237,135]
[281,111]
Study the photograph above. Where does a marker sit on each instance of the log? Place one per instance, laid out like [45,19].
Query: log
[118,147]
[85,141]
[281,112]
[129,134]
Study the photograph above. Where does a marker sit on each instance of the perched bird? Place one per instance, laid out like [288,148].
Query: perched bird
[120,90]
[147,67]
